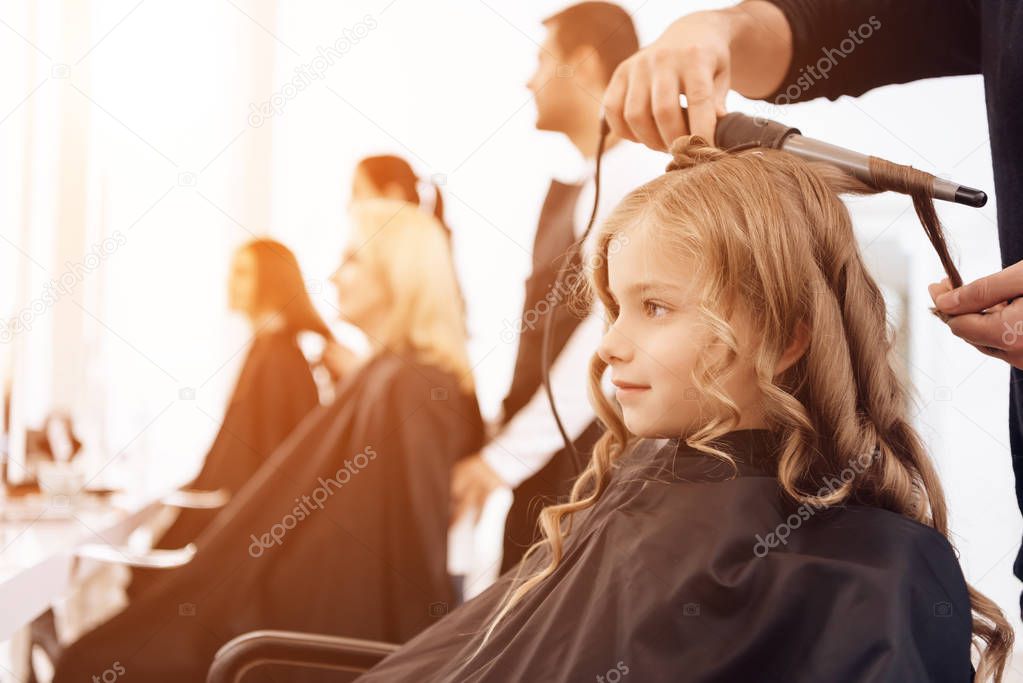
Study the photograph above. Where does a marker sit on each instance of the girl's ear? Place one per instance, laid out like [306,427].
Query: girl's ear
[798,345]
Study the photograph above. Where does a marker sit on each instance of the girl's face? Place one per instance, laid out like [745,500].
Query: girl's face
[657,340]
[241,288]
[361,291]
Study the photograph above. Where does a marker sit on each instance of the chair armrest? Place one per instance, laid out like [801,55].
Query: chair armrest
[191,499]
[149,559]
[308,650]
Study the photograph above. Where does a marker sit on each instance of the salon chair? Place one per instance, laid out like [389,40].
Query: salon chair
[300,650]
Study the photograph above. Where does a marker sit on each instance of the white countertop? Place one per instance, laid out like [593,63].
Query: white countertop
[38,539]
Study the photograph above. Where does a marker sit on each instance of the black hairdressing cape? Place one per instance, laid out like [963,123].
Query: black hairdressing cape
[342,531]
[275,390]
[665,579]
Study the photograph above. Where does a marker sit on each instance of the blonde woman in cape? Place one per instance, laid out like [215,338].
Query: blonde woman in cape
[344,529]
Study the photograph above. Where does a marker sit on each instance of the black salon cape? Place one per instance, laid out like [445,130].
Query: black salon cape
[275,390]
[662,581]
[370,564]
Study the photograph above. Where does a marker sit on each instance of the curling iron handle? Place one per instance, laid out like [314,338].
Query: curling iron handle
[736,129]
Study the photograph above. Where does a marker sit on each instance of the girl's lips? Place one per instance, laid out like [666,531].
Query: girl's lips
[626,389]
[628,385]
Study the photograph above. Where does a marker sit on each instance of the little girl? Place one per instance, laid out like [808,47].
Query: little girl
[792,528]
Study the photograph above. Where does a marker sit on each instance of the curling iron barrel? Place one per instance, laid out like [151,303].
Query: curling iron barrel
[735,129]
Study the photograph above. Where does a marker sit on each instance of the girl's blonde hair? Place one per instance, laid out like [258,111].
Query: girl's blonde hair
[771,238]
[411,254]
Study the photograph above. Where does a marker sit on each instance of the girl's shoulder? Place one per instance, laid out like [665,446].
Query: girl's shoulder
[702,498]
[716,561]
[746,527]
[891,534]
[864,539]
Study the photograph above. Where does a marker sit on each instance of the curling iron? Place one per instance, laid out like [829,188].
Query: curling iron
[737,130]
[734,132]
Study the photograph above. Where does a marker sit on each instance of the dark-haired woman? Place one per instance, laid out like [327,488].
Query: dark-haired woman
[274,391]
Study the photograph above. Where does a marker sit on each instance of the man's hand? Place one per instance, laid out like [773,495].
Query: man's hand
[985,314]
[699,55]
[472,482]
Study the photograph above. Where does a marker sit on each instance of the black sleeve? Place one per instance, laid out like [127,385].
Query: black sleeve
[847,47]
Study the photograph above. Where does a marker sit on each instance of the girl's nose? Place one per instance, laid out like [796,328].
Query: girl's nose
[614,346]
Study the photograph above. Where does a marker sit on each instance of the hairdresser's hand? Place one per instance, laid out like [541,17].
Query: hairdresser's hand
[472,482]
[986,313]
[641,102]
[701,55]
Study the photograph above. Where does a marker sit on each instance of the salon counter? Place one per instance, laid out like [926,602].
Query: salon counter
[39,540]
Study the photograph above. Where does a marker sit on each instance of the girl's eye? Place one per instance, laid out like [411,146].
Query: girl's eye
[654,309]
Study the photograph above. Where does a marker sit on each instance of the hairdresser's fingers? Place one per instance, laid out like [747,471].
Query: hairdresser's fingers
[638,114]
[667,109]
[978,329]
[701,100]
[936,289]
[1013,358]
[996,307]
[994,353]
[722,84]
[614,100]
[983,293]
[1001,328]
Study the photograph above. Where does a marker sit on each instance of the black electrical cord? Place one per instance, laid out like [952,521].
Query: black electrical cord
[545,347]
